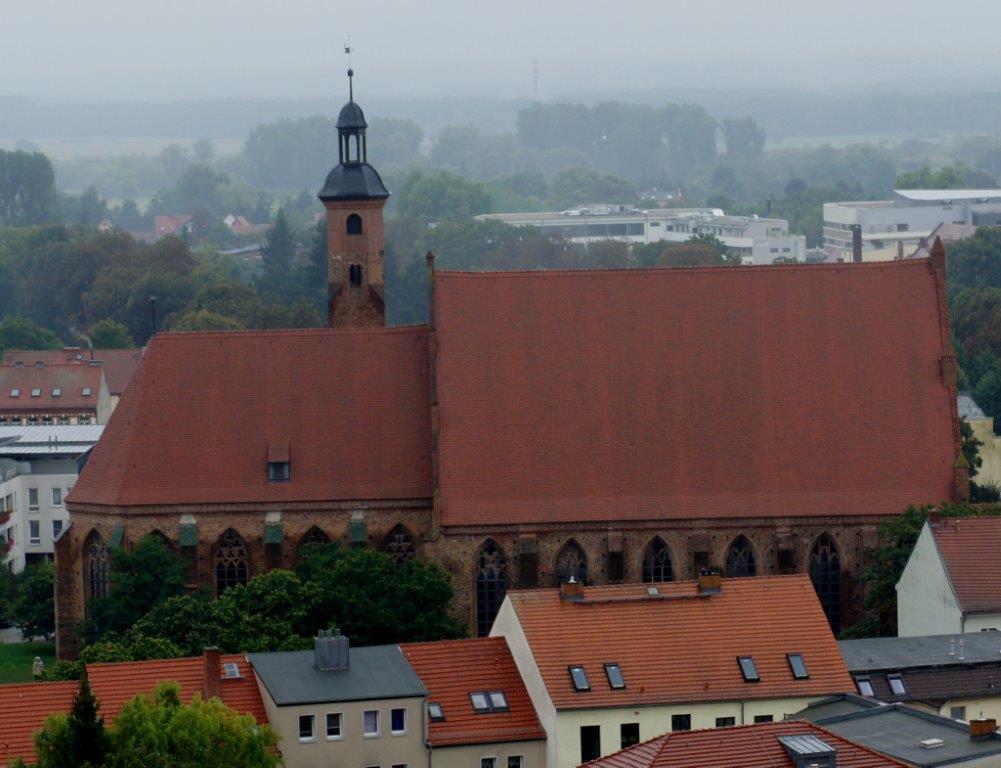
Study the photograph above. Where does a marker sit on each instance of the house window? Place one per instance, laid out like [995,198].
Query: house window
[957,713]
[516,761]
[614,674]
[896,685]
[748,669]
[740,559]
[398,721]
[488,762]
[579,679]
[279,471]
[491,585]
[798,666]
[629,734]
[590,743]
[370,722]
[681,722]
[657,561]
[865,686]
[34,532]
[763,718]
[436,713]
[334,720]
[354,274]
[57,497]
[306,728]
[32,498]
[725,722]
[354,224]
[57,528]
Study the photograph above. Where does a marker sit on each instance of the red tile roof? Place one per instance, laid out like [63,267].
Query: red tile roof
[681,646]
[119,364]
[969,547]
[70,379]
[23,708]
[195,424]
[747,746]
[453,669]
[691,393]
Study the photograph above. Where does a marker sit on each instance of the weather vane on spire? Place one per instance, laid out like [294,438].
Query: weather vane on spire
[351,73]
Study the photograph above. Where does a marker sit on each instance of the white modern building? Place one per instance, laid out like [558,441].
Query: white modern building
[38,467]
[894,228]
[755,240]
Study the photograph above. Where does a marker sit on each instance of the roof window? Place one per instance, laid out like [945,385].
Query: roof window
[87,391]
[484,701]
[498,701]
[480,702]
[614,674]
[896,685]
[36,392]
[798,666]
[579,678]
[15,392]
[57,392]
[436,713]
[865,686]
[279,471]
[230,669]
[748,670]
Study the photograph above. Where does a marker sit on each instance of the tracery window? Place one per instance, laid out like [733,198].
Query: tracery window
[657,561]
[491,585]
[95,559]
[825,573]
[230,561]
[740,559]
[571,563]
[399,544]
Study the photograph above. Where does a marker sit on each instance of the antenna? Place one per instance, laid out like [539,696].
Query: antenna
[348,50]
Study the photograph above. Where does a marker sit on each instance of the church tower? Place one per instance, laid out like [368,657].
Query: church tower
[354,197]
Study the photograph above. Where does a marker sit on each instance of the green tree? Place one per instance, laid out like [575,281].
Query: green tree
[206,320]
[441,196]
[22,333]
[190,622]
[946,177]
[975,262]
[109,334]
[698,251]
[160,731]
[34,612]
[77,740]
[277,255]
[575,186]
[27,188]
[270,613]
[745,139]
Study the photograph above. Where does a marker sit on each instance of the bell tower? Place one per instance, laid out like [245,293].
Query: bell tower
[354,197]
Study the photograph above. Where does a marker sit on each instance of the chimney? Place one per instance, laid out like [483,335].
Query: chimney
[933,517]
[710,581]
[856,243]
[572,591]
[982,727]
[212,664]
[330,650]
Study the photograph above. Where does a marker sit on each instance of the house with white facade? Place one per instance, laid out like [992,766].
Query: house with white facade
[951,581]
[38,467]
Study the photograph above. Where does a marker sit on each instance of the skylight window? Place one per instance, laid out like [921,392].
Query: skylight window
[57,392]
[36,392]
[436,713]
[614,674]
[480,702]
[748,670]
[896,685]
[498,701]
[87,391]
[483,701]
[798,666]
[15,392]
[579,678]
[230,669]
[865,686]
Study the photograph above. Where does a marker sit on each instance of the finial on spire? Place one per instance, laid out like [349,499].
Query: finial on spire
[351,73]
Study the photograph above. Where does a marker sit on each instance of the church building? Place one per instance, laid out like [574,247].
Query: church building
[601,425]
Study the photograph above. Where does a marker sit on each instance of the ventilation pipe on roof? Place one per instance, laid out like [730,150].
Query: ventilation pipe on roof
[212,671]
[330,650]
[856,243]
[710,581]
[982,728]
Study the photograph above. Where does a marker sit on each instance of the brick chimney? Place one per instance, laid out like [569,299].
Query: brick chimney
[710,581]
[212,666]
[572,591]
[982,727]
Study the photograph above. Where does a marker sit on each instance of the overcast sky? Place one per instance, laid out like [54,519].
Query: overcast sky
[175,49]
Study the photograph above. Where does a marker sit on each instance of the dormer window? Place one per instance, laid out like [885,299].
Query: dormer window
[748,669]
[279,471]
[865,686]
[354,274]
[896,685]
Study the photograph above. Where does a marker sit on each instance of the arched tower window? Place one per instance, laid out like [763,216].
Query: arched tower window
[95,566]
[657,561]
[354,224]
[399,544]
[571,563]
[230,561]
[313,536]
[491,585]
[354,274]
[740,559]
[825,573]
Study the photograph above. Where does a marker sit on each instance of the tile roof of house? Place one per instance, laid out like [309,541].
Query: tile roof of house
[452,669]
[373,672]
[119,364]
[69,380]
[969,548]
[786,390]
[936,685]
[23,708]
[745,746]
[352,407]
[681,646]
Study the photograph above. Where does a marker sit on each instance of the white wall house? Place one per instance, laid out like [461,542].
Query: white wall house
[951,581]
[38,467]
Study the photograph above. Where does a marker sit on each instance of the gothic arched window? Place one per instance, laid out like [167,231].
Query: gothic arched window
[399,544]
[230,561]
[95,566]
[825,573]
[162,538]
[571,563]
[491,585]
[740,559]
[354,224]
[657,561]
[313,536]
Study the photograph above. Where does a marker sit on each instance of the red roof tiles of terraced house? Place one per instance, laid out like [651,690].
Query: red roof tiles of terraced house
[58,387]
[969,548]
[119,364]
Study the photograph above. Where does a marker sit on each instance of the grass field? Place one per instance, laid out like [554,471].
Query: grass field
[16,660]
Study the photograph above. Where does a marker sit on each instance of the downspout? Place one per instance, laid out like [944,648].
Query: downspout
[742,712]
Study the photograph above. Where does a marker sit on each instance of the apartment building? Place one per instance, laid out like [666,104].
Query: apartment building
[59,394]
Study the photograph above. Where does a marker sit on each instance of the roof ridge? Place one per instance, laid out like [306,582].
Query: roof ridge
[318,331]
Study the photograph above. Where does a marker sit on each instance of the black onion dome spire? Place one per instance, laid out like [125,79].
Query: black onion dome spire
[352,178]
